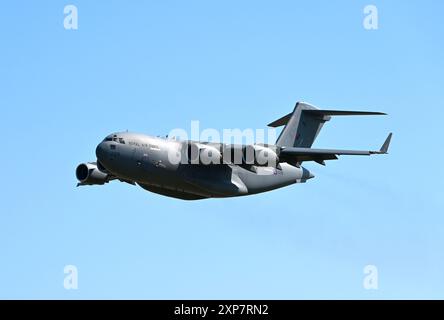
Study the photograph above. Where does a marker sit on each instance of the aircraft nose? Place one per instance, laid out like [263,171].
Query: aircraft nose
[100,151]
[311,175]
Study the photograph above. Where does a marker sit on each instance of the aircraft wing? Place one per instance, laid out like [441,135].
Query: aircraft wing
[297,155]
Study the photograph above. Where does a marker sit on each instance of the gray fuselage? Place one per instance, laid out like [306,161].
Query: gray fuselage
[147,161]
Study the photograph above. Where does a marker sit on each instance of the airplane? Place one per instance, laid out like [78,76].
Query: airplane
[194,170]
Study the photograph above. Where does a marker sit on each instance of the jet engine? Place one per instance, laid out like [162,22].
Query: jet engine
[203,154]
[260,156]
[89,173]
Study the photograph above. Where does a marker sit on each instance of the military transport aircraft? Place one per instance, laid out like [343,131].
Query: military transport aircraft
[193,170]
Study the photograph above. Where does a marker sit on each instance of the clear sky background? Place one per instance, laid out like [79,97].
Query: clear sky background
[150,66]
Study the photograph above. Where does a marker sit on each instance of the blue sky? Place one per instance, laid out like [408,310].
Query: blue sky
[150,66]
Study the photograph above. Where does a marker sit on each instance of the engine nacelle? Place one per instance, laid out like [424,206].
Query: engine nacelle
[260,156]
[89,174]
[199,153]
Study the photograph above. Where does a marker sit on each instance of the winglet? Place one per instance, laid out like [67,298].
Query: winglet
[386,144]
[384,148]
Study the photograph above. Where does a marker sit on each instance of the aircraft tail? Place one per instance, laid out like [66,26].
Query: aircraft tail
[303,125]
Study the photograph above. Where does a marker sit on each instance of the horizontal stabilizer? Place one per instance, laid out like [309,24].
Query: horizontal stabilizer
[316,112]
[344,113]
[281,121]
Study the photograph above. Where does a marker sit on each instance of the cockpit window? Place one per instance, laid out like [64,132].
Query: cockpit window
[114,138]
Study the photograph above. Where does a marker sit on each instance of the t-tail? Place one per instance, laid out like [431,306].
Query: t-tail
[302,126]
